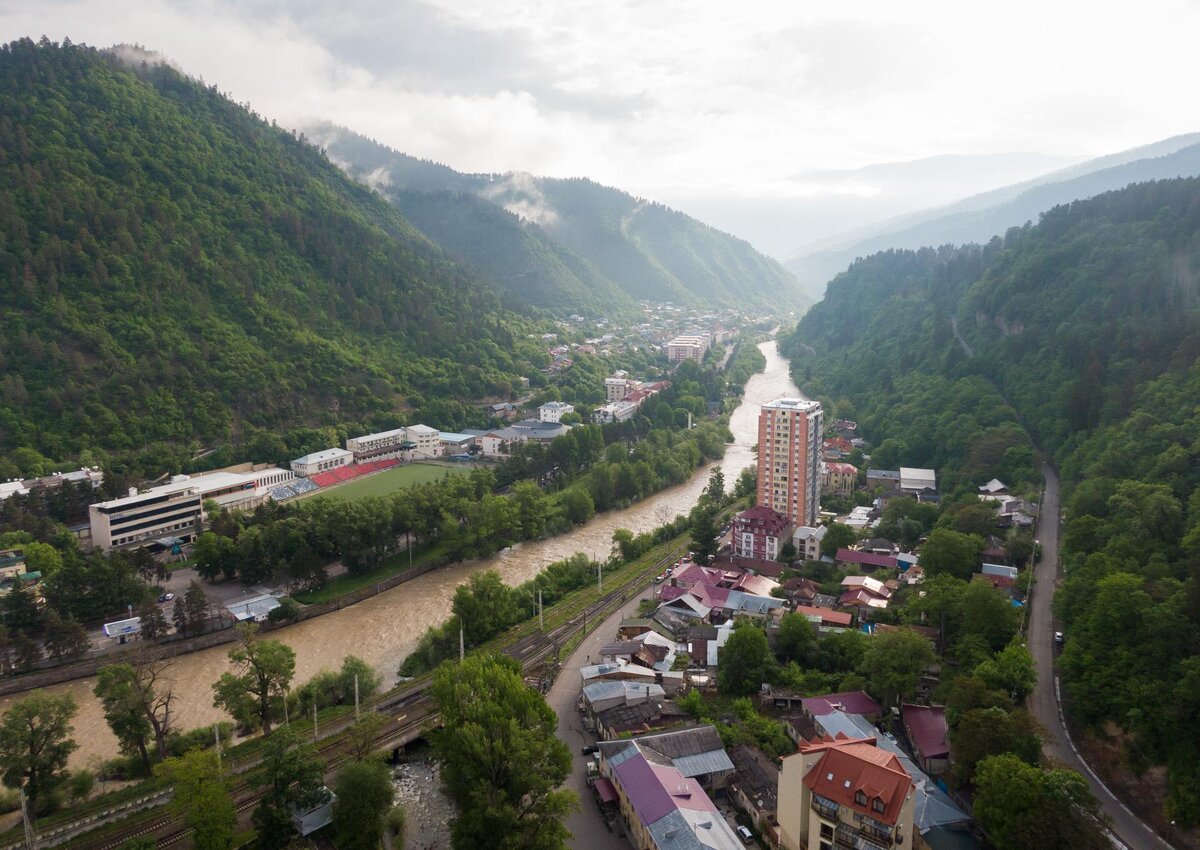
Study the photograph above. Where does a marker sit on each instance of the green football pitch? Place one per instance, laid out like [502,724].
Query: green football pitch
[388,481]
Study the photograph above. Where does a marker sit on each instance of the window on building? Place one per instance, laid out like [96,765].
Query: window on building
[877,805]
[860,798]
[826,830]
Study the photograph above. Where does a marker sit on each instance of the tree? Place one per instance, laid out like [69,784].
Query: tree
[714,492]
[501,762]
[837,536]
[27,652]
[984,732]
[137,704]
[797,639]
[195,602]
[577,505]
[988,613]
[35,743]
[745,661]
[293,776]
[255,692]
[154,624]
[894,662]
[1011,671]
[364,795]
[951,553]
[746,484]
[704,534]
[66,639]
[179,616]
[201,795]
[1021,806]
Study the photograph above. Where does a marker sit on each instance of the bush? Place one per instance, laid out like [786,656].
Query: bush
[395,821]
[289,609]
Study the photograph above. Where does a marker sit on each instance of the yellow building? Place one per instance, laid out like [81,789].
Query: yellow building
[845,793]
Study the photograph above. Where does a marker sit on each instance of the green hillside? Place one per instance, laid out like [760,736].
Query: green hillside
[178,271]
[571,233]
[516,257]
[1084,333]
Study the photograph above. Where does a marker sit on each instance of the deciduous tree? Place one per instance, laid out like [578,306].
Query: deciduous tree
[201,795]
[35,743]
[501,762]
[255,693]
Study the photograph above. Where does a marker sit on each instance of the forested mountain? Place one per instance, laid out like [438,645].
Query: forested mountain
[1080,336]
[175,269]
[979,218]
[559,240]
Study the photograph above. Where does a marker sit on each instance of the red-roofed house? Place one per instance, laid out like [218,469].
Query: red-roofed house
[760,532]
[851,702]
[826,617]
[926,728]
[845,792]
[854,559]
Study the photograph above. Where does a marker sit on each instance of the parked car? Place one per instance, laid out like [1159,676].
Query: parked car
[166,597]
[1058,637]
[745,834]
[588,750]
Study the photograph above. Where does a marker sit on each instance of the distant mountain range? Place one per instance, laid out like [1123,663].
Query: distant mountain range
[567,245]
[981,217]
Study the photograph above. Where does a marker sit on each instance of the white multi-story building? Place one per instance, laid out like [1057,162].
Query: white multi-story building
[691,347]
[789,458]
[552,411]
[615,411]
[378,446]
[427,442]
[322,461]
[617,385]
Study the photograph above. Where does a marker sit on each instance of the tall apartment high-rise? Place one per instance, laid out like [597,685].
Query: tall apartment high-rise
[789,458]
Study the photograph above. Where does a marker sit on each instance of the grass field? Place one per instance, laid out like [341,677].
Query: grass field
[382,483]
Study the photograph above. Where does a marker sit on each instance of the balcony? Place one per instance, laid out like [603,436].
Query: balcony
[863,838]
[825,807]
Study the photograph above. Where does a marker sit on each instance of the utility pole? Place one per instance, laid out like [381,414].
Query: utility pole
[30,833]
[356,710]
[314,721]
[217,744]
[462,652]
[541,623]
[600,576]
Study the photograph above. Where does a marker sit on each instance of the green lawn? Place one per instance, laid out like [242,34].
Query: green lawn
[382,483]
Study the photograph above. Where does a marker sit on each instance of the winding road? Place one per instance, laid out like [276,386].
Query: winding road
[1128,828]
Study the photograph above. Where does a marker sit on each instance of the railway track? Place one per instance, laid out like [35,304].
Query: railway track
[531,651]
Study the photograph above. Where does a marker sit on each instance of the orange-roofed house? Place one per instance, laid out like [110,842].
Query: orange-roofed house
[845,792]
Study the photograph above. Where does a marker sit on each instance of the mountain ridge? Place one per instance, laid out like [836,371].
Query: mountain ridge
[641,250]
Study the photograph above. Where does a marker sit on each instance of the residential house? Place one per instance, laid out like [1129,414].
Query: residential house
[994,489]
[755,788]
[825,618]
[838,479]
[926,728]
[855,559]
[915,481]
[662,808]
[888,480]
[760,532]
[696,752]
[938,820]
[845,793]
[552,411]
[807,541]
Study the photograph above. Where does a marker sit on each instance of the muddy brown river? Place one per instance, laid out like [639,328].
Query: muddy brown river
[384,629]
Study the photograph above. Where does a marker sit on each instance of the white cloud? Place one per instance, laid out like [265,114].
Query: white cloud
[678,96]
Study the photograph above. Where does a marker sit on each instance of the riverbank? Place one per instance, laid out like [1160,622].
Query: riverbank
[385,627]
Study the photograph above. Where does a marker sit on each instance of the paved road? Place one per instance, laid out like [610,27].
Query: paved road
[1129,829]
[587,826]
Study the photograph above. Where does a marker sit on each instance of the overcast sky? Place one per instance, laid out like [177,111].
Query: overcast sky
[678,100]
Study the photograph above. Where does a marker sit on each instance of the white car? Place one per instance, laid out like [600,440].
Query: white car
[1058,637]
